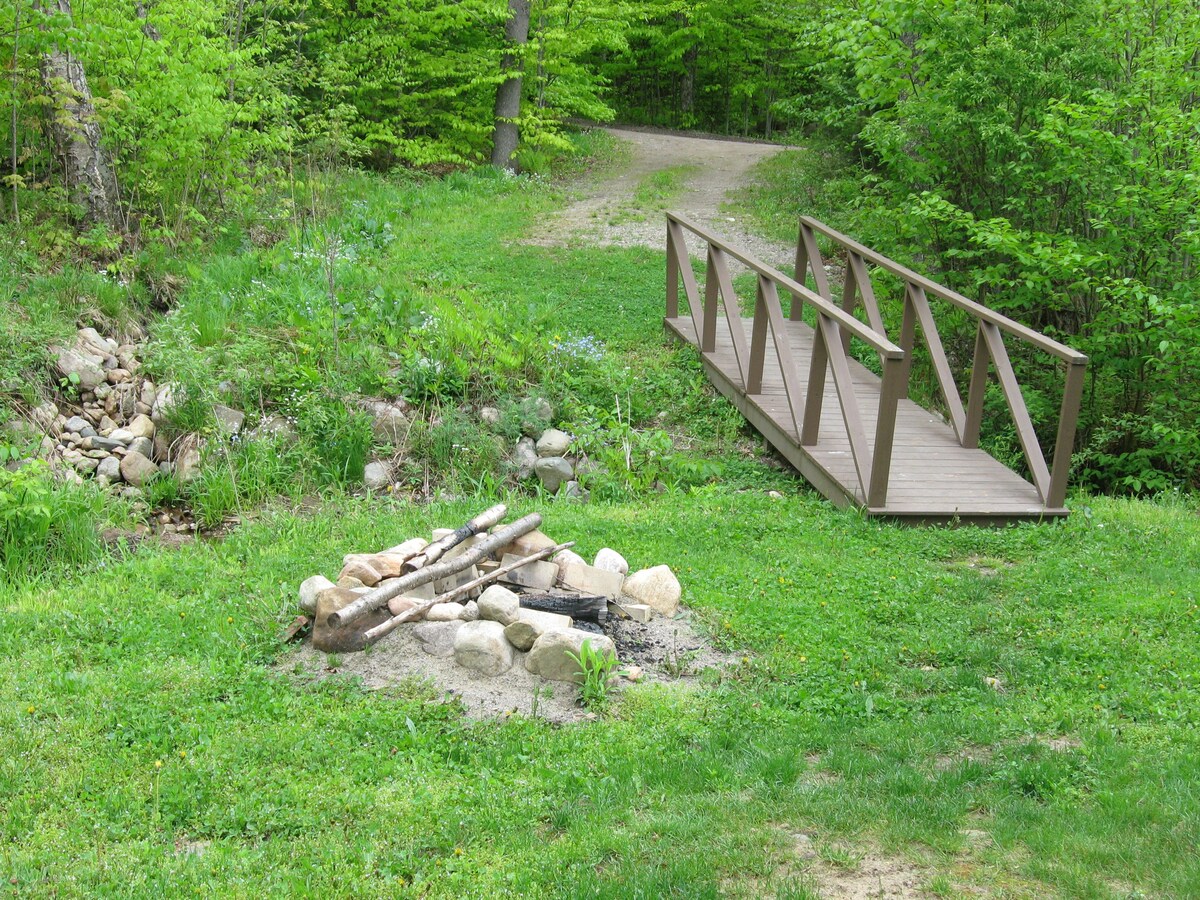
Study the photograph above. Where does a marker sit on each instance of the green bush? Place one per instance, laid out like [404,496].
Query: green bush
[44,522]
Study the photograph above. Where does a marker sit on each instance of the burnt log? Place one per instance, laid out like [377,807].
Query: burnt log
[584,608]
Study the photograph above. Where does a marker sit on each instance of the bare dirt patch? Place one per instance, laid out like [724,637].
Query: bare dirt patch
[607,215]
[876,875]
[669,651]
[837,872]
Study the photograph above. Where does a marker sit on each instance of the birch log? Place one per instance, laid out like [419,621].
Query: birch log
[435,551]
[394,587]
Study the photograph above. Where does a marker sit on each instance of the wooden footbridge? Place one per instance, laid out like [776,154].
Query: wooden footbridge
[853,433]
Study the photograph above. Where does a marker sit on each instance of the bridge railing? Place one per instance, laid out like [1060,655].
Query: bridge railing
[834,327]
[1050,480]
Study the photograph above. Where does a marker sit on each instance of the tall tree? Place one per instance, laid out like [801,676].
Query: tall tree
[75,131]
[506,135]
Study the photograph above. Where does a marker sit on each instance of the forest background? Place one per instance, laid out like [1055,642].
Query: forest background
[1039,155]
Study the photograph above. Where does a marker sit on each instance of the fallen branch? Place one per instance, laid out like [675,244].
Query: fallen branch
[394,587]
[433,552]
[410,615]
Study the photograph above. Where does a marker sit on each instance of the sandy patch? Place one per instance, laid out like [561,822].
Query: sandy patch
[669,651]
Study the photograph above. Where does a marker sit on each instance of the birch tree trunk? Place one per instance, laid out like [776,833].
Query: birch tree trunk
[505,137]
[75,134]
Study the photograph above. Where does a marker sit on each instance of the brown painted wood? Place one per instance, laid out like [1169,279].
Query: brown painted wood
[1034,458]
[1068,416]
[937,354]
[978,310]
[856,437]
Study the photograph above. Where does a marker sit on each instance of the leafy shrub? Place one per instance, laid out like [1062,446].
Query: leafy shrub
[44,522]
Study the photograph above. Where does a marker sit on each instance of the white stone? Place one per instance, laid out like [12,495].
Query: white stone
[445,612]
[310,588]
[568,556]
[481,646]
[499,604]
[377,476]
[658,588]
[612,561]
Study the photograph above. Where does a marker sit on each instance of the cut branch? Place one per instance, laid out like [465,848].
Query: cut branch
[435,551]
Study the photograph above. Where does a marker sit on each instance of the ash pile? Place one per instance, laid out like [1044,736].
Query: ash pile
[490,595]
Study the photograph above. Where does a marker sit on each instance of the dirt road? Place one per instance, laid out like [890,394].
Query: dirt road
[609,211]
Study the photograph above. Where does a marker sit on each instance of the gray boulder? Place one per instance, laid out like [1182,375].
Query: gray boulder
[552,471]
[553,443]
[81,369]
[377,476]
[109,470]
[550,657]
[499,604]
[525,458]
[481,646]
[137,469]
[437,638]
[80,426]
[229,420]
[389,423]
[142,445]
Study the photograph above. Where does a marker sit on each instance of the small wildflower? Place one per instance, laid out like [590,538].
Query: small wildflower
[31,710]
[158,764]
[458,851]
[183,754]
[804,659]
[229,620]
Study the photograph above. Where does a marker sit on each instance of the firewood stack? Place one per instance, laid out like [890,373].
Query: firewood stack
[507,593]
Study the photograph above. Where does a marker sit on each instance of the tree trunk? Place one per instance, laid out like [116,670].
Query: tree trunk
[508,96]
[75,134]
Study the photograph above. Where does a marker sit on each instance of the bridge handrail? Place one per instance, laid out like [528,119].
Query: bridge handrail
[877,342]
[978,310]
[1050,480]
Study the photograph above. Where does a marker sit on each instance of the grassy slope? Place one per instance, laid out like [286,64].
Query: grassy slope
[861,714]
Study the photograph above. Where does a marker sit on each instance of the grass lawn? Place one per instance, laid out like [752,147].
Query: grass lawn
[1007,712]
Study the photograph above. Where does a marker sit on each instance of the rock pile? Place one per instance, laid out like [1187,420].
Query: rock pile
[509,623]
[548,458]
[107,424]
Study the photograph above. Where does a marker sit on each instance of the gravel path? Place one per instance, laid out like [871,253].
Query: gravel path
[607,215]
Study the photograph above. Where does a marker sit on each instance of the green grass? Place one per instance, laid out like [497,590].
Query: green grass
[860,715]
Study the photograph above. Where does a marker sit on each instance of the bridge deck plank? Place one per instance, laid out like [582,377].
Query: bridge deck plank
[933,478]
